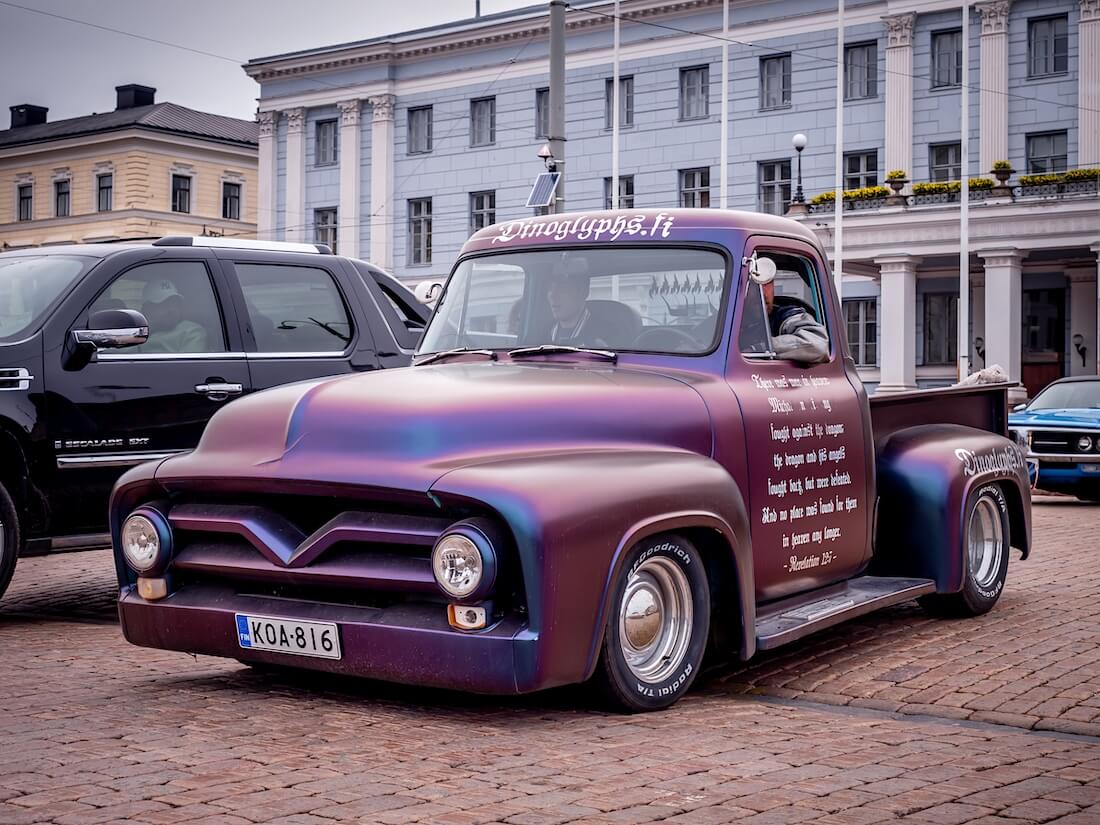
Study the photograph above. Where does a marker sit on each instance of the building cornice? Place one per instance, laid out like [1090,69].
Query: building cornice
[130,138]
[122,215]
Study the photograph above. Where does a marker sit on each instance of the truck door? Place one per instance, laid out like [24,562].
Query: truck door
[139,403]
[804,427]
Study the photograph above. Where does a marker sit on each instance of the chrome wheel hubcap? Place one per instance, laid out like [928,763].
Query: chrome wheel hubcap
[985,542]
[655,617]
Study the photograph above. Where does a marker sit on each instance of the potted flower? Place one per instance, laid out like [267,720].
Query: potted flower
[1002,171]
[896,180]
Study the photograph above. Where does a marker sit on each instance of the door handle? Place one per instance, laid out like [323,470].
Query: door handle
[219,390]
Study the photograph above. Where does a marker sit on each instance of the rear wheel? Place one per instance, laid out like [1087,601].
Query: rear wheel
[657,626]
[985,552]
[9,538]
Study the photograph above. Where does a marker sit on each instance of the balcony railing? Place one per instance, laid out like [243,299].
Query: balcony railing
[1072,184]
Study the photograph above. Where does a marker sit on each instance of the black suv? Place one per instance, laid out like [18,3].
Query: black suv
[115,354]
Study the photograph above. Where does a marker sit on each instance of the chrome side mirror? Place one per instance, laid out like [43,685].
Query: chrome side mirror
[1019,408]
[114,329]
[428,292]
[761,270]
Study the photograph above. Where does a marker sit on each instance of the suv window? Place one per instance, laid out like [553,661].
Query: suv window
[294,308]
[794,288]
[30,285]
[177,298]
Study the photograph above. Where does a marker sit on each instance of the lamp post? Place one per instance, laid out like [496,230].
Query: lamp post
[798,202]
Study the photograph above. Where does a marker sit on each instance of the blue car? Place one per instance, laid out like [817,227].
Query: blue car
[1060,430]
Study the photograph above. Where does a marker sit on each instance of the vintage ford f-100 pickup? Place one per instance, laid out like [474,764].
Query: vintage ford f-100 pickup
[631,439]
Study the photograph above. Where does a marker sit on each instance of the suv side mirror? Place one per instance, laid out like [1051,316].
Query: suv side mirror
[114,329]
[107,329]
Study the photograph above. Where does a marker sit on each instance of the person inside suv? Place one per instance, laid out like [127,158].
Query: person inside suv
[169,331]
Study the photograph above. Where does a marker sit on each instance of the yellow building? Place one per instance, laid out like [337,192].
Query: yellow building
[145,170]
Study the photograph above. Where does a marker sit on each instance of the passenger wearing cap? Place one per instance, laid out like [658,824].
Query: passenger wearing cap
[169,331]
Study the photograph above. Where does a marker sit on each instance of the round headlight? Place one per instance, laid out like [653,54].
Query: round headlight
[458,565]
[146,540]
[464,562]
[1084,443]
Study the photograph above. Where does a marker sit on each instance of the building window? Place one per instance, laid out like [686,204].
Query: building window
[483,210]
[104,192]
[324,227]
[775,81]
[775,186]
[483,121]
[860,170]
[626,101]
[945,161]
[231,201]
[181,193]
[941,328]
[694,92]
[25,195]
[326,143]
[947,58]
[862,318]
[61,198]
[626,190]
[694,188]
[1048,46]
[420,231]
[1046,153]
[420,129]
[860,71]
[542,113]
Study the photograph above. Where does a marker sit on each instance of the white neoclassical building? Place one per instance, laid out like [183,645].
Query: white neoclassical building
[395,148]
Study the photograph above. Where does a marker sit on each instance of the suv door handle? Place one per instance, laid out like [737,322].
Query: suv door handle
[220,390]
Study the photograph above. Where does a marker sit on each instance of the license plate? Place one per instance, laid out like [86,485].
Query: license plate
[1090,468]
[321,639]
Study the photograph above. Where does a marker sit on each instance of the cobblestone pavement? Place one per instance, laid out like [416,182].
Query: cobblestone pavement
[856,726]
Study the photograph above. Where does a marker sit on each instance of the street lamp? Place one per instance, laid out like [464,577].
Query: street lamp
[546,155]
[799,143]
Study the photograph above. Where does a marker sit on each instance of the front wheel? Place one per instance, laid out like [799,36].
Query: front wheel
[9,538]
[657,625]
[986,545]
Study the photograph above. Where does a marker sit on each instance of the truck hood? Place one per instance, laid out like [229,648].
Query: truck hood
[1088,417]
[402,429]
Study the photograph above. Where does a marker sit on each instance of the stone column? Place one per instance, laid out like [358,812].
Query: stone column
[1088,84]
[347,235]
[266,177]
[898,322]
[296,229]
[899,92]
[993,100]
[382,212]
[1003,303]
[1082,318]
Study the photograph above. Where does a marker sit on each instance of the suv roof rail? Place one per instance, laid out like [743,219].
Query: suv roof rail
[242,243]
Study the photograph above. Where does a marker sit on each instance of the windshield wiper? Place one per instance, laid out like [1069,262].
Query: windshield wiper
[447,353]
[551,349]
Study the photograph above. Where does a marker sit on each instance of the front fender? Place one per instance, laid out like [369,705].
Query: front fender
[925,475]
[574,516]
[136,486]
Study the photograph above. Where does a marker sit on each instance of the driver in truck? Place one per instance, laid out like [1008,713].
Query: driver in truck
[796,334]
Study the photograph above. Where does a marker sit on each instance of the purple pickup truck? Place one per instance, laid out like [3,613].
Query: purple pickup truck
[633,442]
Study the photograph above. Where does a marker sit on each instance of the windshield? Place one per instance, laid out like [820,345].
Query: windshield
[29,285]
[663,300]
[1073,395]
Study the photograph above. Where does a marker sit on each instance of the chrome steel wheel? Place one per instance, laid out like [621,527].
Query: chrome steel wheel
[985,542]
[655,619]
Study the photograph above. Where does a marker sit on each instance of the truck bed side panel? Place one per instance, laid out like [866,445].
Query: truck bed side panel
[983,407]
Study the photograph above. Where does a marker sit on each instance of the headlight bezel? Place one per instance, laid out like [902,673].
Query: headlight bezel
[158,562]
[470,533]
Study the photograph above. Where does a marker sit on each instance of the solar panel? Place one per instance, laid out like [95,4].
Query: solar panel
[542,193]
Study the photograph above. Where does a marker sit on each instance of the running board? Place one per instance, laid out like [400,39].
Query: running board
[797,617]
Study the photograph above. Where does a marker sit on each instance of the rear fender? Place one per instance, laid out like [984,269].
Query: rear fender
[575,515]
[925,475]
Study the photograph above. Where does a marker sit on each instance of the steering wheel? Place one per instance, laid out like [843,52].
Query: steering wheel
[653,337]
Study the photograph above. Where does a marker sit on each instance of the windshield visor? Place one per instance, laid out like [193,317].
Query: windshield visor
[661,300]
[29,286]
